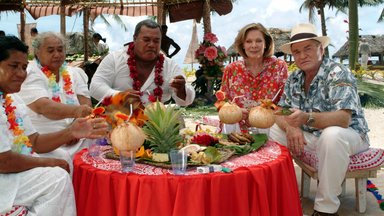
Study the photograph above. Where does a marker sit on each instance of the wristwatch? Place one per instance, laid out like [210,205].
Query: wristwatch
[310,120]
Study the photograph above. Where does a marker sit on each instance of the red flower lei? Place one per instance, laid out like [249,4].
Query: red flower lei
[158,91]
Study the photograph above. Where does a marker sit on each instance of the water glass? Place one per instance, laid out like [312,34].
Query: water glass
[229,128]
[179,161]
[93,148]
[127,160]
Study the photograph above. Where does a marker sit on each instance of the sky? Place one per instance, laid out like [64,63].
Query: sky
[271,13]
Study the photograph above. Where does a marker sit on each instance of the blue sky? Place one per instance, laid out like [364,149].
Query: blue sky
[271,13]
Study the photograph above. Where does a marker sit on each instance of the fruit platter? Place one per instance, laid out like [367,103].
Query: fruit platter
[152,131]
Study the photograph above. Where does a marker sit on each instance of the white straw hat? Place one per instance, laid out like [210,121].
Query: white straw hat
[303,32]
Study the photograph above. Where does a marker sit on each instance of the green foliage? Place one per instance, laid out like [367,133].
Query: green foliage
[371,95]
[199,111]
[292,67]
[31,57]
[359,73]
[189,73]
[162,128]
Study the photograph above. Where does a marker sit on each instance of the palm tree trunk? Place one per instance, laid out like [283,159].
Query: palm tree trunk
[323,28]
[353,33]
[207,16]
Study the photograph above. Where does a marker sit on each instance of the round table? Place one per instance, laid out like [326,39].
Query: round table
[262,183]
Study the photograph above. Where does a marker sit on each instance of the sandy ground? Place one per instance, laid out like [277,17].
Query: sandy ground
[375,119]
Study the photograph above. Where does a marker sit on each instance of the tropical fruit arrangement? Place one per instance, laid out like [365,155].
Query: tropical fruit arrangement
[152,131]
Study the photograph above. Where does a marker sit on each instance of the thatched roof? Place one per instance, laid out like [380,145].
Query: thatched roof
[280,37]
[178,9]
[376,44]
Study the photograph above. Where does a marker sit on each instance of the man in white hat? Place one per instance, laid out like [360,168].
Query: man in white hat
[327,116]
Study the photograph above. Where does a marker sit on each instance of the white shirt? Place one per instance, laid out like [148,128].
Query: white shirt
[112,76]
[36,86]
[9,182]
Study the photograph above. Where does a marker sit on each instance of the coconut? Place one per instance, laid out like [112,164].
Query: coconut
[261,117]
[230,113]
[127,136]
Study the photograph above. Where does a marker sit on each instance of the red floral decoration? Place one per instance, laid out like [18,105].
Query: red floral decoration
[158,91]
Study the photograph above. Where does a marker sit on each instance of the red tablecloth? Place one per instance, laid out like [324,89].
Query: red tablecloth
[266,186]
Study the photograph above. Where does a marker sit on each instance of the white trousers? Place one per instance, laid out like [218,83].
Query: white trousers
[364,61]
[67,152]
[45,191]
[333,148]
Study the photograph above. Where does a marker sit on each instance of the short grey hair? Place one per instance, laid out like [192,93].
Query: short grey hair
[40,38]
[148,23]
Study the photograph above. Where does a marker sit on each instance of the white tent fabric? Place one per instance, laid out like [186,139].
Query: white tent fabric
[193,46]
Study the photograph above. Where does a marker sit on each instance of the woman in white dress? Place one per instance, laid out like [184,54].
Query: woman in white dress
[42,185]
[55,93]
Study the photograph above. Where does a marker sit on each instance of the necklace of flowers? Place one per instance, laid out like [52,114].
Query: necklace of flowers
[54,86]
[158,91]
[21,143]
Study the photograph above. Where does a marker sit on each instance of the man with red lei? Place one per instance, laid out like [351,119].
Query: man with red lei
[140,69]
[29,183]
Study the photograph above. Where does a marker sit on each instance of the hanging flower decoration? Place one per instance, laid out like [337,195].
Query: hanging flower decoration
[210,56]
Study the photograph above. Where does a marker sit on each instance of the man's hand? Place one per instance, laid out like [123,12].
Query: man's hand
[297,118]
[178,82]
[129,97]
[295,140]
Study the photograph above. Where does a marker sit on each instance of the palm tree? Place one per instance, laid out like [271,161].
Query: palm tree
[341,5]
[353,33]
[353,14]
[317,7]
[381,18]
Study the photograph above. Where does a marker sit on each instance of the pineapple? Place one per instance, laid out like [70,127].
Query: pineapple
[162,130]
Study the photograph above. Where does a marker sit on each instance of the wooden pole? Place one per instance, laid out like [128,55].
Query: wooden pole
[207,16]
[86,31]
[161,13]
[62,20]
[22,25]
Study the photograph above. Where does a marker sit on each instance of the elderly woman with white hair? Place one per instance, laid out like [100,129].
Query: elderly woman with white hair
[55,93]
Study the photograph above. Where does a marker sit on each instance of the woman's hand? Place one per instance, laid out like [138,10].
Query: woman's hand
[82,111]
[53,162]
[89,128]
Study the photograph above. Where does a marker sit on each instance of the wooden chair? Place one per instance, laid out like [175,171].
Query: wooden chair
[16,211]
[360,168]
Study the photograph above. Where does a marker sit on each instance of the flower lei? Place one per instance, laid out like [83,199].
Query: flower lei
[373,189]
[54,86]
[21,143]
[158,91]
